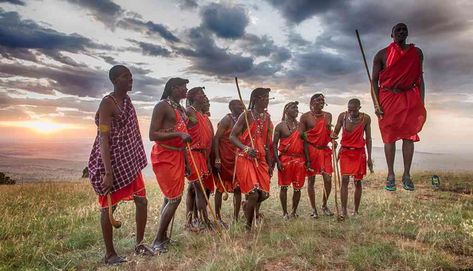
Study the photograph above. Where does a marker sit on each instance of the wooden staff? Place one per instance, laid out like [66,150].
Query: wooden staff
[225,193]
[202,187]
[336,175]
[373,94]
[115,223]
[245,111]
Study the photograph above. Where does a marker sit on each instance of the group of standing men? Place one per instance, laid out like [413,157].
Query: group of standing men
[240,156]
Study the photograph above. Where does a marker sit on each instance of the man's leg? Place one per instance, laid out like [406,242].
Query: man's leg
[166,217]
[236,203]
[218,204]
[141,216]
[190,200]
[311,193]
[389,152]
[358,190]
[407,154]
[296,197]
[283,199]
[327,190]
[250,207]
[344,194]
[107,233]
[201,202]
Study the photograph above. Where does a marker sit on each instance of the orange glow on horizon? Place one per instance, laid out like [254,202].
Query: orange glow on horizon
[45,127]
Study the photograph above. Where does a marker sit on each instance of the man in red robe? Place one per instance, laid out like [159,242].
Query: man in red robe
[290,160]
[352,153]
[169,131]
[116,161]
[201,131]
[225,160]
[254,165]
[316,128]
[398,85]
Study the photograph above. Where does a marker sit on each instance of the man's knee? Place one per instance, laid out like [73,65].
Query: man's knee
[252,196]
[345,180]
[358,184]
[283,188]
[140,201]
[262,195]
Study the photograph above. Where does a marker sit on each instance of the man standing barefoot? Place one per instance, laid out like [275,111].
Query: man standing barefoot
[398,84]
[352,153]
[169,131]
[117,159]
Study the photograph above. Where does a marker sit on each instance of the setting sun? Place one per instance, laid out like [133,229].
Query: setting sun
[40,126]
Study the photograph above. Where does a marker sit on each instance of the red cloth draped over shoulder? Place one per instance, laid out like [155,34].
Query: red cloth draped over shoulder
[291,155]
[227,152]
[320,153]
[249,175]
[404,111]
[168,161]
[201,145]
[352,154]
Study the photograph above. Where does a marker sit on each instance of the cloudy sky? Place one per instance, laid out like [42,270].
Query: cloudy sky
[55,56]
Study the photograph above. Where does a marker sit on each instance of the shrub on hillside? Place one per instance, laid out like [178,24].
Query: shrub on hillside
[5,179]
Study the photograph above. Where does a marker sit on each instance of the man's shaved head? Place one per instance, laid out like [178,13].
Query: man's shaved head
[115,71]
[354,102]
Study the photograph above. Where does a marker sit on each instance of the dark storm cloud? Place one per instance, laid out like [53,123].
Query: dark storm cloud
[149,28]
[188,4]
[18,37]
[296,11]
[14,2]
[265,46]
[225,21]
[207,58]
[79,81]
[105,11]
[151,49]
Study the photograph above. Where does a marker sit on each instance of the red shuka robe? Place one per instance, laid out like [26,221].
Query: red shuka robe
[352,154]
[250,175]
[227,153]
[201,145]
[168,162]
[320,153]
[291,155]
[404,112]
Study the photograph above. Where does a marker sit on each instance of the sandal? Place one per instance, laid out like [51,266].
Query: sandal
[326,211]
[314,215]
[159,248]
[115,260]
[144,250]
[407,183]
[390,183]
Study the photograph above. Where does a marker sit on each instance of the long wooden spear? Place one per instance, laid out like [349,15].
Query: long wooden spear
[373,94]
[245,111]
[203,188]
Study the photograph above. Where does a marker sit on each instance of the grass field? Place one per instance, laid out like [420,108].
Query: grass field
[55,225]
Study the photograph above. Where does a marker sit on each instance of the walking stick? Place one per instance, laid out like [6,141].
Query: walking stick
[234,169]
[336,175]
[202,187]
[225,193]
[172,224]
[375,97]
[245,111]
[115,223]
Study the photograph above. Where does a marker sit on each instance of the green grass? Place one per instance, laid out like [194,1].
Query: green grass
[52,226]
